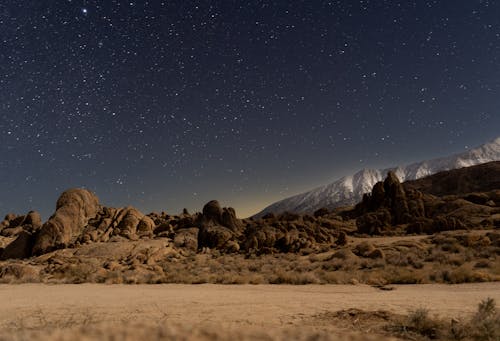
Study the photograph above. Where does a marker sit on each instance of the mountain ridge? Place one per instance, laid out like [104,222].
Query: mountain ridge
[349,189]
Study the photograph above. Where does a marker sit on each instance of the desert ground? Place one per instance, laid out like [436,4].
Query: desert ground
[210,311]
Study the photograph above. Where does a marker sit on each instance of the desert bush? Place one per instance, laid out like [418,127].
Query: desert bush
[282,277]
[420,323]
[485,325]
[464,274]
[397,275]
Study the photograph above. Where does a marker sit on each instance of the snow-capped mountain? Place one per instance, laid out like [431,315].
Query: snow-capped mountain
[350,189]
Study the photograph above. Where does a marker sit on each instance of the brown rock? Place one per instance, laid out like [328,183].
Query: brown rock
[396,194]
[34,219]
[376,254]
[364,249]
[341,239]
[321,212]
[343,254]
[229,219]
[187,238]
[74,208]
[19,248]
[212,211]
[10,216]
[214,237]
[145,227]
[374,222]
[12,231]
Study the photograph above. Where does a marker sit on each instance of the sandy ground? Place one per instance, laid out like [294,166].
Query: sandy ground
[33,306]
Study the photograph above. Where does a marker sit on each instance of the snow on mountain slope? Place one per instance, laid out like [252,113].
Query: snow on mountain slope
[350,189]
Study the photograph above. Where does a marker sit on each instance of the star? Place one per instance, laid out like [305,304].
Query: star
[85,11]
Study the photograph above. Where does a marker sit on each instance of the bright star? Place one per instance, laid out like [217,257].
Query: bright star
[84,11]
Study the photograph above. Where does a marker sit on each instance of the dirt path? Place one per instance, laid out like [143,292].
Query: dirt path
[36,305]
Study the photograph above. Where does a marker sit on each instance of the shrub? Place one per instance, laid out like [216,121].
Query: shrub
[485,324]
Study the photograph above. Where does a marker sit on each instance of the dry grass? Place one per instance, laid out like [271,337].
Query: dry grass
[165,331]
[484,325]
[452,257]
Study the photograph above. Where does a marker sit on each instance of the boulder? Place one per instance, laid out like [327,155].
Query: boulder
[374,222]
[12,231]
[212,211]
[127,222]
[376,254]
[214,237]
[343,254]
[74,208]
[10,216]
[19,248]
[34,219]
[364,249]
[229,220]
[145,227]
[187,238]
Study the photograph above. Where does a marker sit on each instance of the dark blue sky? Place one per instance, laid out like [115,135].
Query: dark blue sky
[168,104]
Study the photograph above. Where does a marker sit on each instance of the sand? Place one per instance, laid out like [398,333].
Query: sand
[32,306]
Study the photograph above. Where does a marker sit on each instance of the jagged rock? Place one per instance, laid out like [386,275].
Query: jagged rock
[378,195]
[74,208]
[20,248]
[395,193]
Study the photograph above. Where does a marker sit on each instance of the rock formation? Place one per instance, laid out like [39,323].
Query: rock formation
[74,208]
[392,205]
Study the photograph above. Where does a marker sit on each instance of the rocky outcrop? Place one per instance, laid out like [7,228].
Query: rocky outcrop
[393,207]
[13,224]
[20,248]
[480,178]
[74,208]
[217,226]
[127,223]
[187,238]
[212,211]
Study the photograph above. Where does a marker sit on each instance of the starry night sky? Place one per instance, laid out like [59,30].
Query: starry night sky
[168,104]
